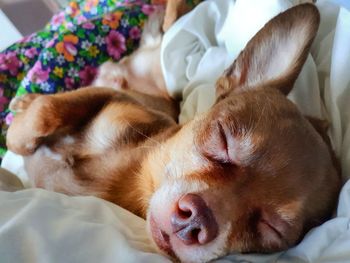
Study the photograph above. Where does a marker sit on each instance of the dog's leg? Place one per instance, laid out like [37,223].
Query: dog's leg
[174,10]
[113,75]
[21,103]
[40,116]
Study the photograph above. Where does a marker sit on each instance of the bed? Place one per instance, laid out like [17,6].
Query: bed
[41,226]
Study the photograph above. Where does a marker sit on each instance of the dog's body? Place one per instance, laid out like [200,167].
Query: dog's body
[141,71]
[251,175]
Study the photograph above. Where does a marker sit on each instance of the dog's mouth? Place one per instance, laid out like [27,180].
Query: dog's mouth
[161,238]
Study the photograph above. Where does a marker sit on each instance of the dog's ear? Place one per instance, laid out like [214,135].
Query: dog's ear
[275,55]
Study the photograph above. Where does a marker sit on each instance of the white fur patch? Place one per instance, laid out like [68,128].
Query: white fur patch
[29,145]
[47,152]
[209,251]
[102,133]
[140,64]
[110,75]
[68,140]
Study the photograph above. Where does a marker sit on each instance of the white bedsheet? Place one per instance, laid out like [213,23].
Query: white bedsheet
[40,226]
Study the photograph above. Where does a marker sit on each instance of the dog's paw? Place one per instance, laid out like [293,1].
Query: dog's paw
[111,75]
[36,120]
[21,103]
[20,143]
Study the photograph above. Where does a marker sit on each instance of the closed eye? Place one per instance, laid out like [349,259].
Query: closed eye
[224,146]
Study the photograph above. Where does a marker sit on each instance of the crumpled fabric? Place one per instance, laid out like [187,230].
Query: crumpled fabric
[41,226]
[37,226]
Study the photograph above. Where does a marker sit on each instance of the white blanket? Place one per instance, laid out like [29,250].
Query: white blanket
[39,226]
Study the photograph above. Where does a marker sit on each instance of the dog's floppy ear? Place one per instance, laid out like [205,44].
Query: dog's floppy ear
[275,55]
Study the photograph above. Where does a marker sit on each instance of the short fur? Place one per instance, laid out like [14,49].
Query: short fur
[250,175]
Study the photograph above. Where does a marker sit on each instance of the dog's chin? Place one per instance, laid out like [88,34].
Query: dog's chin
[161,238]
[169,245]
[167,241]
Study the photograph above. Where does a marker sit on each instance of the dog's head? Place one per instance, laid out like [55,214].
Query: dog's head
[252,174]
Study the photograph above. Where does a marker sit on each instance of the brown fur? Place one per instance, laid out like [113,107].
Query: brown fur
[262,169]
[174,10]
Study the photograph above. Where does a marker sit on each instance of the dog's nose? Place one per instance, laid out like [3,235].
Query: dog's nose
[193,222]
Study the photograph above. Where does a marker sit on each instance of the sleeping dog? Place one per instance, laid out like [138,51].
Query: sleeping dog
[250,175]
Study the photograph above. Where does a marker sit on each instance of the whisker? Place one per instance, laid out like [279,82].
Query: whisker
[144,135]
[150,147]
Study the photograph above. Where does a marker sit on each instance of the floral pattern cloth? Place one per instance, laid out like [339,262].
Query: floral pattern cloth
[66,53]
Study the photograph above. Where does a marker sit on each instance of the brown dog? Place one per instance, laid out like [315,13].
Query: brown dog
[250,175]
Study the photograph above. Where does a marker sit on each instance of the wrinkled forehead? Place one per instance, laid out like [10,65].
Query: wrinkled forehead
[259,127]
[255,106]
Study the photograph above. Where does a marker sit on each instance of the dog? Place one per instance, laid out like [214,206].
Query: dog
[135,72]
[250,175]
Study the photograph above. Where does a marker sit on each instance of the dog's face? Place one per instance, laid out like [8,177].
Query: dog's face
[249,178]
[252,174]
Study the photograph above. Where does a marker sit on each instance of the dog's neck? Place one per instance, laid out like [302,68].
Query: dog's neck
[135,193]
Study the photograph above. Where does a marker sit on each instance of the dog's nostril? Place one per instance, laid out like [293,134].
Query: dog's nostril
[193,222]
[184,213]
[195,233]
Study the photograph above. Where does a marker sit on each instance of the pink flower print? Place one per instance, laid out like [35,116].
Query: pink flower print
[9,118]
[69,83]
[57,20]
[148,9]
[87,75]
[135,32]
[115,44]
[67,47]
[30,53]
[51,42]
[81,19]
[3,61]
[71,26]
[2,57]
[88,25]
[3,100]
[10,62]
[37,74]
[26,39]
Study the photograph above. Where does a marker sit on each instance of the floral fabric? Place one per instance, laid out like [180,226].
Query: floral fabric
[66,53]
